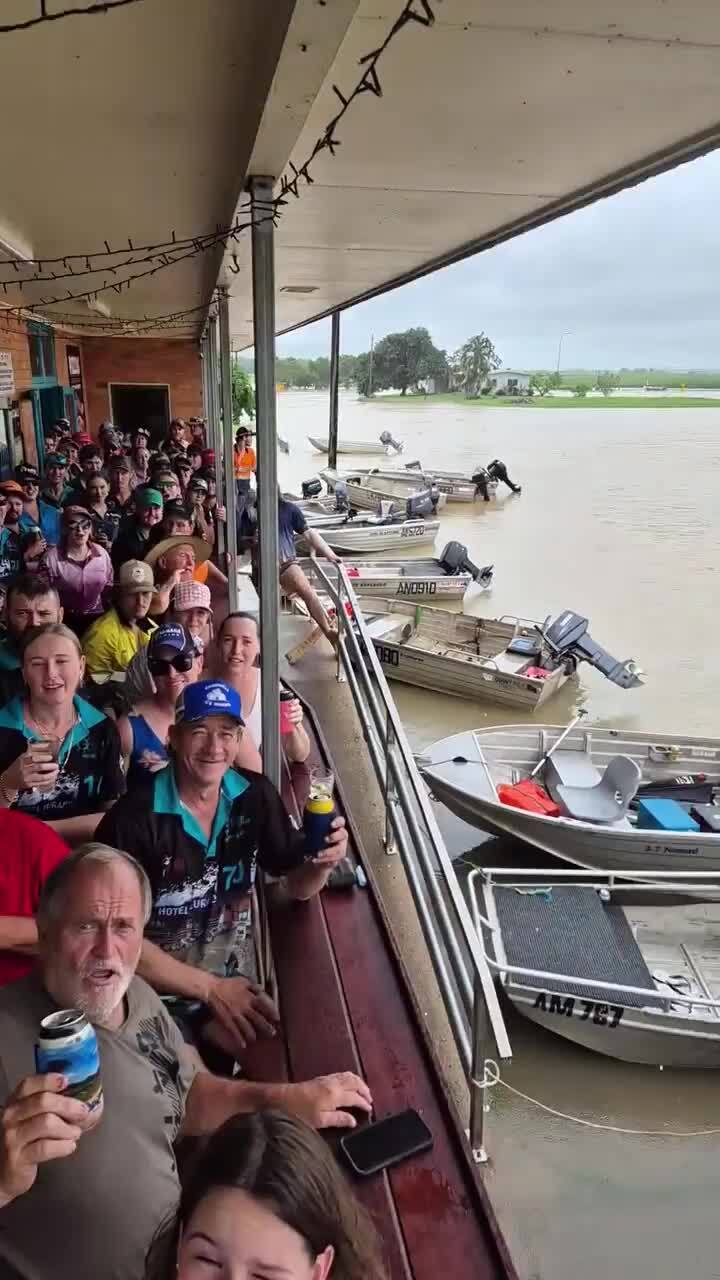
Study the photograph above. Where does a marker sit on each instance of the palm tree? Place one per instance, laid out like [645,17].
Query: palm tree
[472,364]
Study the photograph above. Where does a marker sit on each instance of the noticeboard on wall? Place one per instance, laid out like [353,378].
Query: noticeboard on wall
[7,377]
[75,381]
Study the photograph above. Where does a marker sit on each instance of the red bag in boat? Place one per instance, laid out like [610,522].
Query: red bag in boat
[528,795]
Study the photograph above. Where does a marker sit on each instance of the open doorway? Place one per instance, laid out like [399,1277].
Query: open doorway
[136,405]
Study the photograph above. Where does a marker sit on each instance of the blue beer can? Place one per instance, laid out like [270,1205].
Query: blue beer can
[67,1044]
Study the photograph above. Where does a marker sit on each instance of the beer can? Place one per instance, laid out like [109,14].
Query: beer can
[68,1045]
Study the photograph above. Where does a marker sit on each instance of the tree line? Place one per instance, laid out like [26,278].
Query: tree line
[410,361]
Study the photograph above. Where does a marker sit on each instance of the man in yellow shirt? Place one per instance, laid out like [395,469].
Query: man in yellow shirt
[111,642]
[244,461]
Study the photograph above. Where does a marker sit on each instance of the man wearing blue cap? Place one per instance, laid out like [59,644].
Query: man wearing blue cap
[200,828]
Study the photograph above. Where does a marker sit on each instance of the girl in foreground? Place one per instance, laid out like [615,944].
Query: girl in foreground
[265,1200]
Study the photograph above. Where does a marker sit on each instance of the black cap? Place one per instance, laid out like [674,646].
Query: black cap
[176,509]
[89,451]
[26,473]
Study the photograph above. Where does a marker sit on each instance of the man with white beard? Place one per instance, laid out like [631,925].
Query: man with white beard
[81,1197]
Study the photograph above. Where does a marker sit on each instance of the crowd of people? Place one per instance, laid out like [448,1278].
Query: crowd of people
[133,819]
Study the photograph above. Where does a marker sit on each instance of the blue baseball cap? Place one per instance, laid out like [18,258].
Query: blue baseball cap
[208,698]
[170,635]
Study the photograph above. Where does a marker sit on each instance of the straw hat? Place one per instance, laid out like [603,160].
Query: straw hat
[202,549]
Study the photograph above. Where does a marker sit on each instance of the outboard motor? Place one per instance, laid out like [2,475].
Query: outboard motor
[434,491]
[567,637]
[420,506]
[454,560]
[311,488]
[342,502]
[498,471]
[390,443]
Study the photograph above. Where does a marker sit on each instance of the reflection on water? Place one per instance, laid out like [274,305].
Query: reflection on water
[618,520]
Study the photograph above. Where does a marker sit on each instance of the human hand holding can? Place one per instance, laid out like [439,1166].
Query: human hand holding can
[319,810]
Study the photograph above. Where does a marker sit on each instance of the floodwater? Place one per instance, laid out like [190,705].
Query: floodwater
[619,520]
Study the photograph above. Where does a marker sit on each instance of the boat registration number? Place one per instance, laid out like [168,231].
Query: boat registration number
[603,1015]
[417,589]
[389,657]
[410,531]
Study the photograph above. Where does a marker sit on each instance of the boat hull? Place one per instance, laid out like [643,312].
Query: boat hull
[465,790]
[455,488]
[369,492]
[647,1037]
[403,579]
[433,656]
[349,538]
[321,443]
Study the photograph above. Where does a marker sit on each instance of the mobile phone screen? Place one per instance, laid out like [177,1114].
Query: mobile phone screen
[378,1145]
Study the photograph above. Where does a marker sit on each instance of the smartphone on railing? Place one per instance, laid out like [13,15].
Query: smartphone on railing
[386,1142]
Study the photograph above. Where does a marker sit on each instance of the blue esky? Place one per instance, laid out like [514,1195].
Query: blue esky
[631,281]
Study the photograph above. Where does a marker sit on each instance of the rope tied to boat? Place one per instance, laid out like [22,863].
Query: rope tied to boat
[491,1077]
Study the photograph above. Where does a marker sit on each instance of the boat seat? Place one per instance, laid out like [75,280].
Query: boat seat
[570,769]
[607,800]
[510,663]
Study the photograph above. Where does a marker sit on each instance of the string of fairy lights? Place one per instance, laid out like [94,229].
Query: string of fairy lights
[118,265]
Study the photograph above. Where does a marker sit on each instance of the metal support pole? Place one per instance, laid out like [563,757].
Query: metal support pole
[478,1088]
[334,389]
[213,435]
[391,795]
[263,266]
[228,443]
[204,372]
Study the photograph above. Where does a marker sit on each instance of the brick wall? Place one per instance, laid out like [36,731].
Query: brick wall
[141,360]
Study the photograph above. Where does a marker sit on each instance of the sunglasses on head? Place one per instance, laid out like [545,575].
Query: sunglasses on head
[161,666]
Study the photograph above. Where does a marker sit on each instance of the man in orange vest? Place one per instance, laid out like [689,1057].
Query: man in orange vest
[244,462]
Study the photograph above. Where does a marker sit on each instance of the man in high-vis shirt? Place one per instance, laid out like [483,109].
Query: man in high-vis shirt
[244,462]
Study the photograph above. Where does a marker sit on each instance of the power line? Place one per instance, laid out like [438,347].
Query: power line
[103,6]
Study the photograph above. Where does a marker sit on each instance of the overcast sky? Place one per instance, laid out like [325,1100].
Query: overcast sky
[633,281]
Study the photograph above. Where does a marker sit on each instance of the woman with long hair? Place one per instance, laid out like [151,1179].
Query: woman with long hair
[80,570]
[266,1197]
[60,758]
[173,661]
[237,662]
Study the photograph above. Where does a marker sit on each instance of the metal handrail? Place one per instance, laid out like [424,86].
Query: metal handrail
[453,942]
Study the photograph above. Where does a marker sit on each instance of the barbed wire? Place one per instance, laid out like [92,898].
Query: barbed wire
[168,253]
[103,6]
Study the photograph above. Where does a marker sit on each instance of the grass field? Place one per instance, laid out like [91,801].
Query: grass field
[639,377]
[561,402]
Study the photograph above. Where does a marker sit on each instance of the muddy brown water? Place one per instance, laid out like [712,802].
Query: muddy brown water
[619,519]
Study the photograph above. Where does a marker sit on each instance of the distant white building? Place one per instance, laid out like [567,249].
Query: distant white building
[509,382]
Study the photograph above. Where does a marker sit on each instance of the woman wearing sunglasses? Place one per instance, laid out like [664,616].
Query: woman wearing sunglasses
[173,662]
[79,569]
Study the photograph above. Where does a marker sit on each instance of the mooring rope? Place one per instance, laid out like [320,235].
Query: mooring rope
[492,1077]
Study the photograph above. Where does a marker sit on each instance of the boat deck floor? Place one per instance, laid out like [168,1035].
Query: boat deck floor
[569,929]
[682,942]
